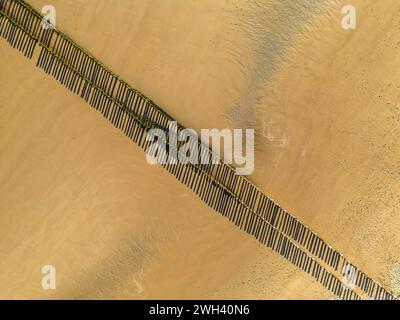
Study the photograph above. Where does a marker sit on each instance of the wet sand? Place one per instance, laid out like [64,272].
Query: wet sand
[77,194]
[326,120]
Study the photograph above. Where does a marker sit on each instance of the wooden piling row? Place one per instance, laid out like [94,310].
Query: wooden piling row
[215,182]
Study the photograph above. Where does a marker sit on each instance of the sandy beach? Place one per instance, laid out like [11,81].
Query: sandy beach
[77,194]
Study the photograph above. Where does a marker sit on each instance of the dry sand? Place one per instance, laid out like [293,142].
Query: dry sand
[77,194]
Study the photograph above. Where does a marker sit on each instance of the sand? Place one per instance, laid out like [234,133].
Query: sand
[78,194]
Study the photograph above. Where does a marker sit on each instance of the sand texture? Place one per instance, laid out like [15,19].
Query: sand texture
[77,194]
